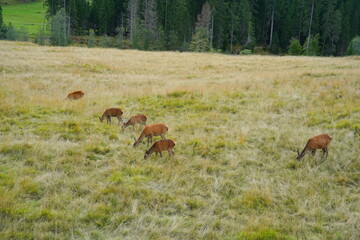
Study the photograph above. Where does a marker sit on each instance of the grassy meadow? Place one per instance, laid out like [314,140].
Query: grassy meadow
[30,16]
[237,121]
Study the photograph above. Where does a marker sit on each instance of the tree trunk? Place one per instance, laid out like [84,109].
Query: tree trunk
[311,18]
[272,26]
[212,31]
[232,34]
[326,29]
[301,19]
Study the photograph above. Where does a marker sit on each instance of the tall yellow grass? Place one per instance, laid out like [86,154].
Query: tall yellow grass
[237,121]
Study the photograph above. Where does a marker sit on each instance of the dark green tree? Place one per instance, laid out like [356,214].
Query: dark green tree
[59,26]
[354,47]
[10,32]
[295,47]
[2,26]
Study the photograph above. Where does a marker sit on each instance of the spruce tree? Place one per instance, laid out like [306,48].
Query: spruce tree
[59,26]
[2,27]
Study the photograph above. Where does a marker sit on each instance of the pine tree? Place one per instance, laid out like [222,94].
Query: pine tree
[354,47]
[2,27]
[133,18]
[59,25]
[311,46]
[182,23]
[295,48]
[150,24]
[201,38]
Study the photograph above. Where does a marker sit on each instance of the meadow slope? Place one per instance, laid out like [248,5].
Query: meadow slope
[30,16]
[237,121]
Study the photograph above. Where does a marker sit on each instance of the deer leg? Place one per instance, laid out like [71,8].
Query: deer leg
[313,152]
[120,120]
[108,118]
[171,153]
[325,151]
[149,140]
[163,136]
[160,154]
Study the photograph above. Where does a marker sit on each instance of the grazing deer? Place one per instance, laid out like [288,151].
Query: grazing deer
[75,95]
[112,112]
[140,119]
[160,146]
[318,142]
[150,131]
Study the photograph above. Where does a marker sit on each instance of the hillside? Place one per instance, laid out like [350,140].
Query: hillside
[237,121]
[25,15]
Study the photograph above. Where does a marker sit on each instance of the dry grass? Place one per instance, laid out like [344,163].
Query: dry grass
[237,122]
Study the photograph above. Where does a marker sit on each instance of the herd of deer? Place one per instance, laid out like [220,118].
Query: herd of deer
[148,132]
[321,141]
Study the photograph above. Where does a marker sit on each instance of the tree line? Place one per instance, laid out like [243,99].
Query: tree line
[311,27]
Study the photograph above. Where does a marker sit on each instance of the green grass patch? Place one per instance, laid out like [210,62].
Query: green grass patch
[265,234]
[27,15]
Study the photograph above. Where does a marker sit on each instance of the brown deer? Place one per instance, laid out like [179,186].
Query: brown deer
[139,119]
[112,112]
[160,146]
[150,131]
[321,141]
[75,95]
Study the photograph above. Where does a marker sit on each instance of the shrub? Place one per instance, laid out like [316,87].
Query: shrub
[245,52]
[106,42]
[354,47]
[200,42]
[40,37]
[295,48]
[10,33]
[22,34]
[311,46]
[91,38]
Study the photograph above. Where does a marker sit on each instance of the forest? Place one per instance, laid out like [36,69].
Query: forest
[309,27]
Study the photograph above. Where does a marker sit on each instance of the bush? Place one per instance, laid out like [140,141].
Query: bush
[40,36]
[200,42]
[106,42]
[295,48]
[22,34]
[245,52]
[10,33]
[354,47]
[91,39]
[311,46]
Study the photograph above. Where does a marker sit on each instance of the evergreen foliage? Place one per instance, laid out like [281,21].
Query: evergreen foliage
[354,47]
[200,42]
[295,47]
[10,33]
[232,25]
[91,39]
[22,34]
[311,46]
[2,26]
[40,37]
[60,29]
